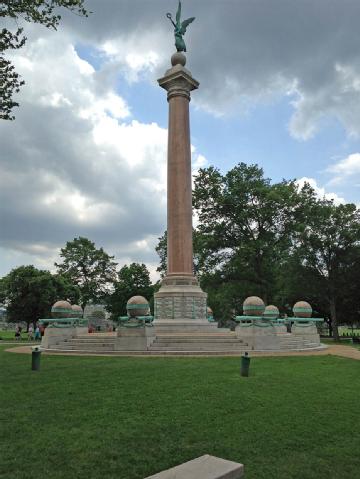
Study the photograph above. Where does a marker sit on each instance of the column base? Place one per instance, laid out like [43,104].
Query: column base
[180,298]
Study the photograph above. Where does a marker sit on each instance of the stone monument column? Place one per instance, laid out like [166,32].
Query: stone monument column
[180,298]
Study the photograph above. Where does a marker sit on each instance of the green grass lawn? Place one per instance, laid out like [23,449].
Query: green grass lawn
[342,342]
[126,418]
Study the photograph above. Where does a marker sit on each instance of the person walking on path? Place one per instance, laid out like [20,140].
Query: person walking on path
[37,334]
[30,332]
[17,333]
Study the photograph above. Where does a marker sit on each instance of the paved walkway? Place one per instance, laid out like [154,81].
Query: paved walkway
[334,350]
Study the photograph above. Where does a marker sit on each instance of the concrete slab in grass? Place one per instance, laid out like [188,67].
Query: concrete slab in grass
[204,467]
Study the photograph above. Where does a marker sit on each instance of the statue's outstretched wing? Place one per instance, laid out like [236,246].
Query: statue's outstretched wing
[178,14]
[185,23]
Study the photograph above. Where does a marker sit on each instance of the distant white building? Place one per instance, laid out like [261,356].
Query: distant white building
[90,308]
[98,317]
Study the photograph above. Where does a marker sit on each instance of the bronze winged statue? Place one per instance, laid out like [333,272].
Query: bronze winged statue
[180,29]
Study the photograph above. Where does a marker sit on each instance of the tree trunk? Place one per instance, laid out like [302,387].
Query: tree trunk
[333,319]
[330,328]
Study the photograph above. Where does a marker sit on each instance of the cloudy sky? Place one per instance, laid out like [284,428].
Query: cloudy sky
[86,155]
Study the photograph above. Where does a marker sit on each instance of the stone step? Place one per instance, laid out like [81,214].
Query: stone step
[198,347]
[149,352]
[197,340]
[198,335]
[91,341]
[290,341]
[173,326]
[67,347]
[95,338]
[74,344]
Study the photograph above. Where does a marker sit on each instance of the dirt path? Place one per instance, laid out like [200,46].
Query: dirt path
[334,350]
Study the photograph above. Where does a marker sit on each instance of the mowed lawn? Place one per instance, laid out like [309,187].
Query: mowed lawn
[127,418]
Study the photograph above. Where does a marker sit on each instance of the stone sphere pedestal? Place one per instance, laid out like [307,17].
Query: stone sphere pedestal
[259,335]
[134,338]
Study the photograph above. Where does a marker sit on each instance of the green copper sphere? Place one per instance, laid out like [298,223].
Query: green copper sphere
[137,306]
[302,309]
[253,306]
[271,312]
[61,309]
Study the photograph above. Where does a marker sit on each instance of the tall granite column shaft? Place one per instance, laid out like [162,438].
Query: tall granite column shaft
[179,196]
[180,296]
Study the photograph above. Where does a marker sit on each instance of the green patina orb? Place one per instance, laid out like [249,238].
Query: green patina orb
[302,309]
[253,306]
[137,306]
[61,309]
[77,311]
[271,312]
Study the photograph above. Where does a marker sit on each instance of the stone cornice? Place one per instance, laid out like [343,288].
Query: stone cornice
[178,82]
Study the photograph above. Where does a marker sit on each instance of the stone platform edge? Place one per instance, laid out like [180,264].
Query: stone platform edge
[26,349]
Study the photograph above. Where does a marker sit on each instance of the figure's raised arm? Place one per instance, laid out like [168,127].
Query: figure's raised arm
[169,16]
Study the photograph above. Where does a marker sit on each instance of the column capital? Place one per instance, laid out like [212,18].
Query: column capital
[178,81]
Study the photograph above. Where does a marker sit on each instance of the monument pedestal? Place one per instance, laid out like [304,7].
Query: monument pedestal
[180,306]
[307,332]
[53,336]
[134,338]
[259,336]
[180,298]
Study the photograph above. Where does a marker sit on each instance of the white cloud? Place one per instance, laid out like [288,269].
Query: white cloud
[73,165]
[135,56]
[76,162]
[307,48]
[320,191]
[337,98]
[346,169]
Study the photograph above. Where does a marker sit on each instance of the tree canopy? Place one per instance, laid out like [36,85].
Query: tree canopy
[274,240]
[91,269]
[28,293]
[133,280]
[44,12]
[328,249]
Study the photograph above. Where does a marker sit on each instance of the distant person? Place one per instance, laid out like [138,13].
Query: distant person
[17,333]
[30,332]
[37,334]
[42,330]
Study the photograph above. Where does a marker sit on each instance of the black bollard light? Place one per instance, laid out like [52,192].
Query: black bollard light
[35,358]
[245,365]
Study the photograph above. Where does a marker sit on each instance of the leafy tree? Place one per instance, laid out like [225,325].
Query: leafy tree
[28,293]
[40,11]
[274,241]
[161,250]
[133,280]
[328,247]
[91,269]
[245,224]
